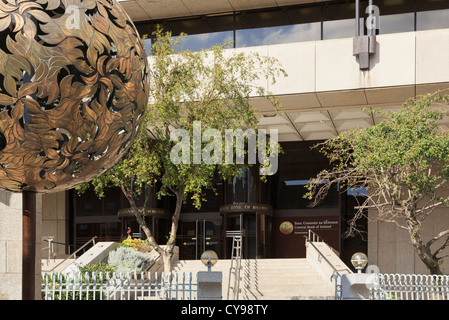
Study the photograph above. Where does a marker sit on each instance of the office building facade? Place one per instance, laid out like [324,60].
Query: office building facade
[337,65]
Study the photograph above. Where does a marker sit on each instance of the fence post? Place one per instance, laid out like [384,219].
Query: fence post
[210,285]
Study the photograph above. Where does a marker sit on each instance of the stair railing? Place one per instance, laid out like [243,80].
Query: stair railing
[50,248]
[336,276]
[73,255]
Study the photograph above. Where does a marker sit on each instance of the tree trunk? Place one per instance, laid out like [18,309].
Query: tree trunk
[422,250]
[141,222]
[167,256]
[166,253]
[167,259]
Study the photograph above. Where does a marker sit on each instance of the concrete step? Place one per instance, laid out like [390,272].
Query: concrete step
[269,279]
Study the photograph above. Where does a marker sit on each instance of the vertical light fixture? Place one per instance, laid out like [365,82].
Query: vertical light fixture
[364,46]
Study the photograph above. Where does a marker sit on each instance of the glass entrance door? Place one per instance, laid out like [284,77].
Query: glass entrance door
[197,237]
[246,224]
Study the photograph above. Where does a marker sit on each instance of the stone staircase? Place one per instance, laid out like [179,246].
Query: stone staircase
[269,279]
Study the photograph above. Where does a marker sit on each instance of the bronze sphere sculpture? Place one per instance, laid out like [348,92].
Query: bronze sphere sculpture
[73,89]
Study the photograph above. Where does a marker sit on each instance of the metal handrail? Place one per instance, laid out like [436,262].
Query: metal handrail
[74,253]
[315,236]
[51,247]
[312,235]
[336,276]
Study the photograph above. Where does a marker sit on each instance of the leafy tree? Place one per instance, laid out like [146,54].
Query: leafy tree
[206,90]
[403,162]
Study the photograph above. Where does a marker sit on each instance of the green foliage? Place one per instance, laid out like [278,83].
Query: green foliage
[406,150]
[211,86]
[97,268]
[403,161]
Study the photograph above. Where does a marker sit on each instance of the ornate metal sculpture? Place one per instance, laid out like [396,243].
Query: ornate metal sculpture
[73,88]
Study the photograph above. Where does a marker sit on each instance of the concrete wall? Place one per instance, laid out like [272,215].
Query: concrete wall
[391,250]
[55,222]
[401,60]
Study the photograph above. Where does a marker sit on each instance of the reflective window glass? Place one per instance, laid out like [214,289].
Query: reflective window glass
[195,42]
[306,22]
[297,165]
[434,19]
[281,25]
[338,29]
[339,19]
[396,23]
[396,16]
[276,35]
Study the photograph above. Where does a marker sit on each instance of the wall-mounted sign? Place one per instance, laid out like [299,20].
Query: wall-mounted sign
[151,211]
[246,207]
[302,227]
[289,234]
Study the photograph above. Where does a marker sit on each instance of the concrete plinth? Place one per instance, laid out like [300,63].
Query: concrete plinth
[356,286]
[209,285]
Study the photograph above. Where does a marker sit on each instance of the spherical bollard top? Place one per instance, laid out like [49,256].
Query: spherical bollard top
[73,89]
[209,258]
[359,260]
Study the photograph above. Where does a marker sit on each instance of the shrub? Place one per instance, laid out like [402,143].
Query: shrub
[126,259]
[137,244]
[96,268]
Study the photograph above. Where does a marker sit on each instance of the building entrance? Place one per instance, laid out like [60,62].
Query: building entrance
[198,236]
[245,226]
[254,229]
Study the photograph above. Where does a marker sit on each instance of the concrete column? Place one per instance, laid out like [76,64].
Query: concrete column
[209,285]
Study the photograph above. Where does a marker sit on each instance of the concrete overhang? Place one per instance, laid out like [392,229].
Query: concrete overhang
[323,115]
[141,10]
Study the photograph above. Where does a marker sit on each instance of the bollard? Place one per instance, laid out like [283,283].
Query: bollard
[210,285]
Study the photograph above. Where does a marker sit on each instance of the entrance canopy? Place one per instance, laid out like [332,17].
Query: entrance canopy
[323,115]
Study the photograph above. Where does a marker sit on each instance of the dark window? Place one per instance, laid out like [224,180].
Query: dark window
[297,165]
[105,231]
[88,204]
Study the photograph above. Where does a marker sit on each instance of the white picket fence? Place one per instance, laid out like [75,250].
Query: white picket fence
[410,287]
[130,286]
